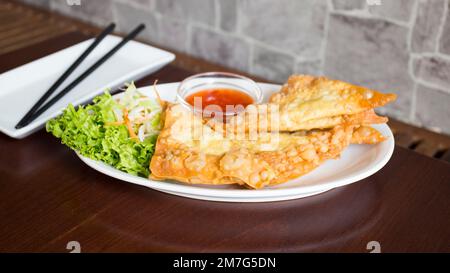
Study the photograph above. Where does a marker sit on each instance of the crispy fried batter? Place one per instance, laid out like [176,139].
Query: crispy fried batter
[367,135]
[308,122]
[216,159]
[307,102]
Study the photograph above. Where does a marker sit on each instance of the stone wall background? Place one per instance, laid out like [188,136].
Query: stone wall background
[400,46]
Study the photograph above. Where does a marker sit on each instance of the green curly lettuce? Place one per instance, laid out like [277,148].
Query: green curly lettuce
[86,130]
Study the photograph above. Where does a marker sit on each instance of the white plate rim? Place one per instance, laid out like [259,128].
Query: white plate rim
[246,199]
[189,189]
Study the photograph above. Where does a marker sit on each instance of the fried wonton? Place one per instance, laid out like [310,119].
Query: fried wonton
[307,102]
[187,150]
[311,120]
[366,135]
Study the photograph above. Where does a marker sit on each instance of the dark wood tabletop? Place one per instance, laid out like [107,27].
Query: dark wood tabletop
[48,197]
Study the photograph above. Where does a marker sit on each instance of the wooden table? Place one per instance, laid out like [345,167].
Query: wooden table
[48,197]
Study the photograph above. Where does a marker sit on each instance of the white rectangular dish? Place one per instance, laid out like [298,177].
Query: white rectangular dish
[23,86]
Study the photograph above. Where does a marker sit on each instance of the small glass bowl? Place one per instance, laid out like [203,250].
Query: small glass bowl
[217,80]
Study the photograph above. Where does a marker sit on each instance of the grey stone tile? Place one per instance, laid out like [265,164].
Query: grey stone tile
[444,44]
[201,11]
[435,70]
[145,4]
[393,9]
[349,4]
[426,26]
[128,17]
[37,3]
[371,53]
[96,12]
[162,31]
[271,65]
[228,14]
[433,108]
[172,34]
[220,48]
[291,25]
[309,67]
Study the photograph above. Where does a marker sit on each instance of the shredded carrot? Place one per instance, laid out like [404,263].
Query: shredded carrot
[158,98]
[162,103]
[126,121]
[128,124]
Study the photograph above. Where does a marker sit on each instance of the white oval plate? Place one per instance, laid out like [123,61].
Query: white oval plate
[356,162]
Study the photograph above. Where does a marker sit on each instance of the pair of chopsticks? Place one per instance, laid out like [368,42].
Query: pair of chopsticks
[39,107]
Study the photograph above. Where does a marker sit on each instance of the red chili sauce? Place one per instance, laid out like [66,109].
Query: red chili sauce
[221,97]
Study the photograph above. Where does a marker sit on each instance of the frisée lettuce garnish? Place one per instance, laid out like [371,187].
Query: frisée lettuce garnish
[120,132]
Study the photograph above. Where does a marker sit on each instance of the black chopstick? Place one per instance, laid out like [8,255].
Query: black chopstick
[80,78]
[64,76]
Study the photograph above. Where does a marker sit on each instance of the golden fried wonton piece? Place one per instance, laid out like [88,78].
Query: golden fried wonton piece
[189,151]
[307,102]
[324,116]
[366,135]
